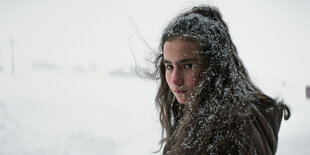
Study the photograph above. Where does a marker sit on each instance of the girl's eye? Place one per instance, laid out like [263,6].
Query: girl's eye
[169,67]
[188,66]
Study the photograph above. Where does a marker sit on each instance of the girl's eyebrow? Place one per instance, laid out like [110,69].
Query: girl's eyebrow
[167,61]
[185,60]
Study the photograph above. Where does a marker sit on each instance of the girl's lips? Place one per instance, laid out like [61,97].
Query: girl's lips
[180,91]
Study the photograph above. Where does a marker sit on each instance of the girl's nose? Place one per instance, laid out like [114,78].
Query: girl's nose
[178,78]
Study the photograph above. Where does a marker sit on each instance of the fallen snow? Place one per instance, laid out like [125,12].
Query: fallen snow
[75,113]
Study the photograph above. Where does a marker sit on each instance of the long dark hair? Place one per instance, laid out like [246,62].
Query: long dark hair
[223,93]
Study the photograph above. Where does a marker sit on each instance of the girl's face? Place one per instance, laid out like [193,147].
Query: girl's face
[181,60]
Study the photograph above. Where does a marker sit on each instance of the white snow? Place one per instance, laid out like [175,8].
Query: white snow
[52,112]
[77,113]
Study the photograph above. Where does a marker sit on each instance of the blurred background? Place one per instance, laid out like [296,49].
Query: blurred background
[67,80]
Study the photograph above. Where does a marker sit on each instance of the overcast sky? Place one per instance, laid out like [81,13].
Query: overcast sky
[272,36]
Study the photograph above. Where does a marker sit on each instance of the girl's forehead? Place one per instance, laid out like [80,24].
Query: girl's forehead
[180,48]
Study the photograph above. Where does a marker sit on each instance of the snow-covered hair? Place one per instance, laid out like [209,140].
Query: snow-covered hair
[222,98]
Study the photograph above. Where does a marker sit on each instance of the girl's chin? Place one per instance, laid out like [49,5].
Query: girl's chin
[182,100]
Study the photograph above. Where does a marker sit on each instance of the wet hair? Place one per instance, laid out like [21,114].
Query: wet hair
[220,100]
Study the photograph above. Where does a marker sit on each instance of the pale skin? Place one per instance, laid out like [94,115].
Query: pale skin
[183,71]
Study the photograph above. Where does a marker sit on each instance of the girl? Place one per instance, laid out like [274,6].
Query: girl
[206,100]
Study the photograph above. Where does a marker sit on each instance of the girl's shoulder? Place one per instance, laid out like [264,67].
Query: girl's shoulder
[266,116]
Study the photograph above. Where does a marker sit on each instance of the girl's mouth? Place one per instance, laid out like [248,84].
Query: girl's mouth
[180,91]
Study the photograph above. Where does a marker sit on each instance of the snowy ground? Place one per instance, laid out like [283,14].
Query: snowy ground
[77,113]
[61,113]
